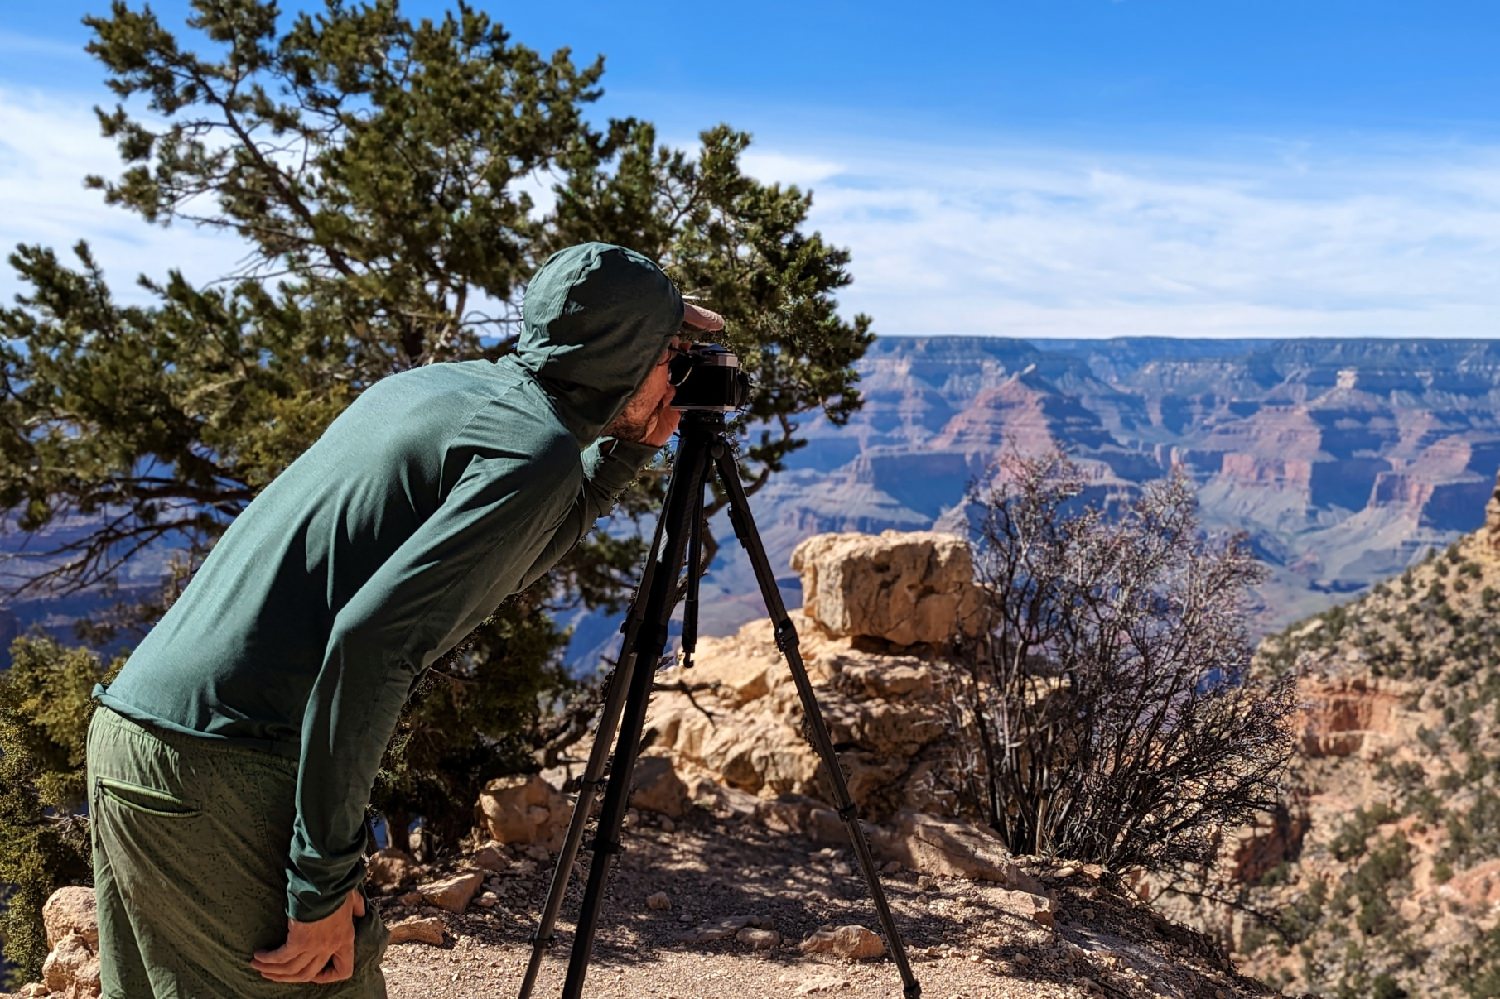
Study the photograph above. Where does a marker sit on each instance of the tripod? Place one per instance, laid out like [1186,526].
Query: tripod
[703,449]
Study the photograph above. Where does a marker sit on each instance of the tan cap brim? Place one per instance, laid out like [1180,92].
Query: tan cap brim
[700,318]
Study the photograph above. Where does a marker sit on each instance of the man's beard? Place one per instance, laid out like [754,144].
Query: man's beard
[628,427]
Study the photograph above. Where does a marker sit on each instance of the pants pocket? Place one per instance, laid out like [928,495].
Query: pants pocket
[139,798]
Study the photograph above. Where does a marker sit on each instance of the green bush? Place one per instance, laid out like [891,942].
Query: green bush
[45,707]
[1349,842]
[1306,914]
[1388,863]
[1477,968]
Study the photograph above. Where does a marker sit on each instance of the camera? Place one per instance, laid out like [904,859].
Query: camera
[708,379]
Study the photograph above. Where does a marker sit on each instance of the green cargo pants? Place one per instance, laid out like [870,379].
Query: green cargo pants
[190,838]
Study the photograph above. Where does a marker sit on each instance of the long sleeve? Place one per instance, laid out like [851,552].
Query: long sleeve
[609,465]
[436,587]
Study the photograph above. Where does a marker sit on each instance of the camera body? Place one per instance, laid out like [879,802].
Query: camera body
[708,379]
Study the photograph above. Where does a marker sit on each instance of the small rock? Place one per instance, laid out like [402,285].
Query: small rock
[722,930]
[452,894]
[390,868]
[491,858]
[487,901]
[758,939]
[427,930]
[659,902]
[821,984]
[411,898]
[854,943]
[1040,909]
[36,990]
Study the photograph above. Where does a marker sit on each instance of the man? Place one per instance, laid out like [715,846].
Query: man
[231,761]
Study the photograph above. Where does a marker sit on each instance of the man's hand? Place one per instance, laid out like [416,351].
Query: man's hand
[320,951]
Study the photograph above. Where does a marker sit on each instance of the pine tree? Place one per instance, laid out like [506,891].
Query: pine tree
[376,171]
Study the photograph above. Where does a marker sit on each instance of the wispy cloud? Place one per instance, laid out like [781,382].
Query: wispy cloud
[48,144]
[1272,238]
[1037,242]
[14,43]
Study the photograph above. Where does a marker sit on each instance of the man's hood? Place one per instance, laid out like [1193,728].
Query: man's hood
[595,320]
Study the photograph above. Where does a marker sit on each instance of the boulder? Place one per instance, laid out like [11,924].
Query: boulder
[889,711]
[655,787]
[71,910]
[758,939]
[1040,909]
[524,809]
[71,920]
[901,588]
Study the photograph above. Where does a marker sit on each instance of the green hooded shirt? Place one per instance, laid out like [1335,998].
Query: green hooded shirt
[437,494]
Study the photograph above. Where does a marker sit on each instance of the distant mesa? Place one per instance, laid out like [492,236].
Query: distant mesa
[1343,460]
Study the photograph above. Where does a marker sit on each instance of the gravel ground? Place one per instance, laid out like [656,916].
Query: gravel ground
[965,940]
[712,875]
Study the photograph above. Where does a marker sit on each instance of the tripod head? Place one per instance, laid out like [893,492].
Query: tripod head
[703,421]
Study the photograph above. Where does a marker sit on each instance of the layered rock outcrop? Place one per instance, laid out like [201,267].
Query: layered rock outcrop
[903,589]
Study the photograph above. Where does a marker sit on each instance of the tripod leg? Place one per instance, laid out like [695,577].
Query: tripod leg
[593,772]
[787,642]
[688,479]
[694,576]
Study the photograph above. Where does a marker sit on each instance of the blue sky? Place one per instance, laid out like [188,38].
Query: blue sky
[1024,167]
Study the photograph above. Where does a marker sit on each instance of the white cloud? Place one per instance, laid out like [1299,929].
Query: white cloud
[1277,238]
[778,168]
[1030,242]
[17,44]
[48,144]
